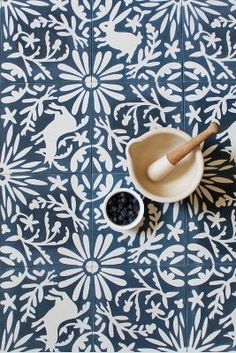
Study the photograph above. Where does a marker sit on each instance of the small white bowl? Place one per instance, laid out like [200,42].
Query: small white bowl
[132,225]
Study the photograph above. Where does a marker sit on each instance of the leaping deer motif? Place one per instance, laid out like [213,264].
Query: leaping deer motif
[63,310]
[62,124]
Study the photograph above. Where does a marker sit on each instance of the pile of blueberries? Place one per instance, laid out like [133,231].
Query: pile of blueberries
[122,208]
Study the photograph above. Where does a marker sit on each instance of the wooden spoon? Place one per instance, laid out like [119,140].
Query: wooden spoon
[163,166]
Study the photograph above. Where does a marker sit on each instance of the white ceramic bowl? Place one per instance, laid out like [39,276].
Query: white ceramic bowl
[132,225]
[181,182]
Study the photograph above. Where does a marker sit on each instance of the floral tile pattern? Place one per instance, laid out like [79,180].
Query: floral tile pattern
[209,37]
[160,240]
[38,315]
[41,216]
[141,108]
[122,324]
[212,219]
[49,138]
[142,36]
[211,308]
[78,80]
[40,36]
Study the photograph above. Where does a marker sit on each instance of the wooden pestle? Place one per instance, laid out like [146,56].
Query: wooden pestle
[175,156]
[162,167]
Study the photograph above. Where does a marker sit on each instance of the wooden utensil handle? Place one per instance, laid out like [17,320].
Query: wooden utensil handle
[175,156]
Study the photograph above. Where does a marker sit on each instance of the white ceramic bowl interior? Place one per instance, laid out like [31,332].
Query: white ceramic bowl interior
[181,182]
[132,225]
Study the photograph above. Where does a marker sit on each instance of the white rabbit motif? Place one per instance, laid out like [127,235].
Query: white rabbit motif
[63,310]
[125,42]
[62,123]
[230,320]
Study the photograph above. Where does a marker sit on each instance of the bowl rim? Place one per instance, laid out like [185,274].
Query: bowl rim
[165,199]
[127,226]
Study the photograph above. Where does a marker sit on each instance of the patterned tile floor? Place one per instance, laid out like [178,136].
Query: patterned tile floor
[79,78]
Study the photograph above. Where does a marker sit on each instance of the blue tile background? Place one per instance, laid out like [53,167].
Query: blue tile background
[36,114]
[155,243]
[143,108]
[67,112]
[211,300]
[43,304]
[142,42]
[209,37]
[36,37]
[133,322]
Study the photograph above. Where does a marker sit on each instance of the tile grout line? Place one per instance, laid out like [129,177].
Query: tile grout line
[58,267]
[83,80]
[131,81]
[1,44]
[91,166]
[185,202]
[182,43]
[91,43]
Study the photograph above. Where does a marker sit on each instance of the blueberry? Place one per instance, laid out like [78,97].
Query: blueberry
[110,202]
[120,218]
[120,206]
[131,214]
[123,194]
[130,206]
[114,219]
[114,199]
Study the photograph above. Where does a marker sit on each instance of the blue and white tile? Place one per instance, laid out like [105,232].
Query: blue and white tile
[211,236]
[160,239]
[211,208]
[42,37]
[143,311]
[42,132]
[211,309]
[141,38]
[209,40]
[138,109]
[207,102]
[42,217]
[38,314]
